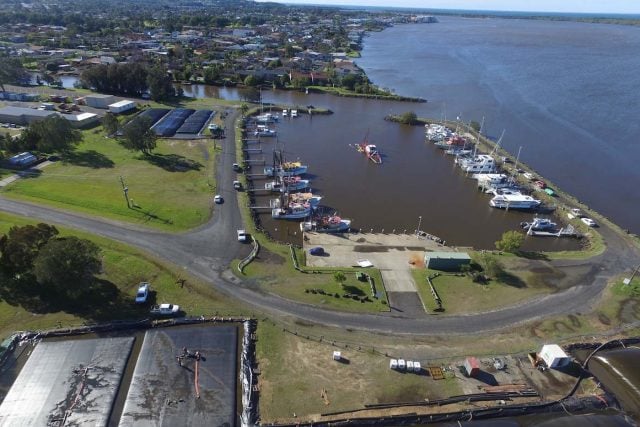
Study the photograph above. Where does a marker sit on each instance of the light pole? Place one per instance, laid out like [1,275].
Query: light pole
[419,223]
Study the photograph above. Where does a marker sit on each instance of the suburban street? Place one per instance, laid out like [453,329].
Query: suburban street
[207,251]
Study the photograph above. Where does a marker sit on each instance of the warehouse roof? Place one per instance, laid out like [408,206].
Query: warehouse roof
[22,111]
[121,103]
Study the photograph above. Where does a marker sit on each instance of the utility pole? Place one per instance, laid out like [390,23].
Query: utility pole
[419,223]
[125,190]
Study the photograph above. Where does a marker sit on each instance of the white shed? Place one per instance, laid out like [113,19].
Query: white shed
[393,364]
[401,364]
[99,101]
[337,355]
[554,356]
[409,365]
[122,106]
[416,367]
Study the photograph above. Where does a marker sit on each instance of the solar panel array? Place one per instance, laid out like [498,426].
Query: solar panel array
[172,121]
[154,114]
[195,122]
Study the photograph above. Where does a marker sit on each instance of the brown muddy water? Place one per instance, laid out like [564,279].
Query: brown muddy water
[416,179]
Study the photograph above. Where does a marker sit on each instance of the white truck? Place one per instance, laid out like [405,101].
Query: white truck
[242,236]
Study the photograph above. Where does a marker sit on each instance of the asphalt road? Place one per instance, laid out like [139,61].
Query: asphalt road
[208,250]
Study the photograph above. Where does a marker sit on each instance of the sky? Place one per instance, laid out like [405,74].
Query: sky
[575,6]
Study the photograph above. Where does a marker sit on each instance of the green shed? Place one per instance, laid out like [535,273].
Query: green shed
[447,261]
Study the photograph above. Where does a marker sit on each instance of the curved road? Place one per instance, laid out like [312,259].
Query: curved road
[208,250]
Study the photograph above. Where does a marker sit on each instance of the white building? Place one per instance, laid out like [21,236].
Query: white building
[554,356]
[122,106]
[99,101]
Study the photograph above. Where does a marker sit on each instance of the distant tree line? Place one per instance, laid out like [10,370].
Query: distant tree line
[130,79]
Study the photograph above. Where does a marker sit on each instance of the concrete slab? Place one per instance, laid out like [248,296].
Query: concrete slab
[70,382]
[398,281]
[163,393]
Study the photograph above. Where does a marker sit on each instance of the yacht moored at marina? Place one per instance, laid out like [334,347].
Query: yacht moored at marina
[514,201]
[539,224]
[482,163]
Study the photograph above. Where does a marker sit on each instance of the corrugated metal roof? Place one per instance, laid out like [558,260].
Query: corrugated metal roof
[22,111]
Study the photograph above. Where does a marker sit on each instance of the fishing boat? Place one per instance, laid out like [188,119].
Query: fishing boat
[371,151]
[312,199]
[292,211]
[454,141]
[327,224]
[435,132]
[286,169]
[539,224]
[287,183]
[514,201]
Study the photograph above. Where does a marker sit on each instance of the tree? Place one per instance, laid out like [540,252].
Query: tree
[160,84]
[20,246]
[11,71]
[490,265]
[244,108]
[138,135]
[511,241]
[67,265]
[339,277]
[56,134]
[408,118]
[251,80]
[212,74]
[110,123]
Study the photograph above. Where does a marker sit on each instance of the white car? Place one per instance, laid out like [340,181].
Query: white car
[575,213]
[143,293]
[242,236]
[165,309]
[589,222]
[218,199]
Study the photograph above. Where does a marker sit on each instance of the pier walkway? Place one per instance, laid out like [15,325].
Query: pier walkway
[395,255]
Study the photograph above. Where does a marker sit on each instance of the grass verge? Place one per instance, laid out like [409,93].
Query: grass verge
[170,189]
[123,268]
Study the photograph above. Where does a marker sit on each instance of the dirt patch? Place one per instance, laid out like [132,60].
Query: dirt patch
[416,261]
[405,394]
[629,311]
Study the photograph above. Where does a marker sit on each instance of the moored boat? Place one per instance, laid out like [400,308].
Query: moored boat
[539,224]
[371,151]
[327,224]
[514,201]
[286,169]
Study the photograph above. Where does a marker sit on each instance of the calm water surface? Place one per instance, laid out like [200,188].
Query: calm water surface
[564,91]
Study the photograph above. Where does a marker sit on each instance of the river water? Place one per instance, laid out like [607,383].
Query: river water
[564,91]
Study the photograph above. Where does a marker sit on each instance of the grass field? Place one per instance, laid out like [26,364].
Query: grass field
[123,268]
[293,366]
[460,295]
[171,188]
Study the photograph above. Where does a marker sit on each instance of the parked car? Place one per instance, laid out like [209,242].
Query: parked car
[589,222]
[236,167]
[318,250]
[143,293]
[242,236]
[218,199]
[165,310]
[237,185]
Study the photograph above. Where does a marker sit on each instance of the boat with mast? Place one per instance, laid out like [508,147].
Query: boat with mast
[369,150]
[327,224]
[283,168]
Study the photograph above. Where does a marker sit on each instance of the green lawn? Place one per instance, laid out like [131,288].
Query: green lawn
[171,188]
[123,268]
[460,295]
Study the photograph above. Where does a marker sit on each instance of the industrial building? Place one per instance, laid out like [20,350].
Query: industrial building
[99,101]
[447,261]
[82,119]
[122,106]
[23,116]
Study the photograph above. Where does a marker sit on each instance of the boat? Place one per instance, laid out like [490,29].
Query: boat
[327,224]
[292,211]
[286,169]
[435,132]
[457,151]
[482,163]
[285,113]
[514,201]
[287,183]
[454,141]
[262,130]
[371,151]
[266,118]
[539,224]
[312,199]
